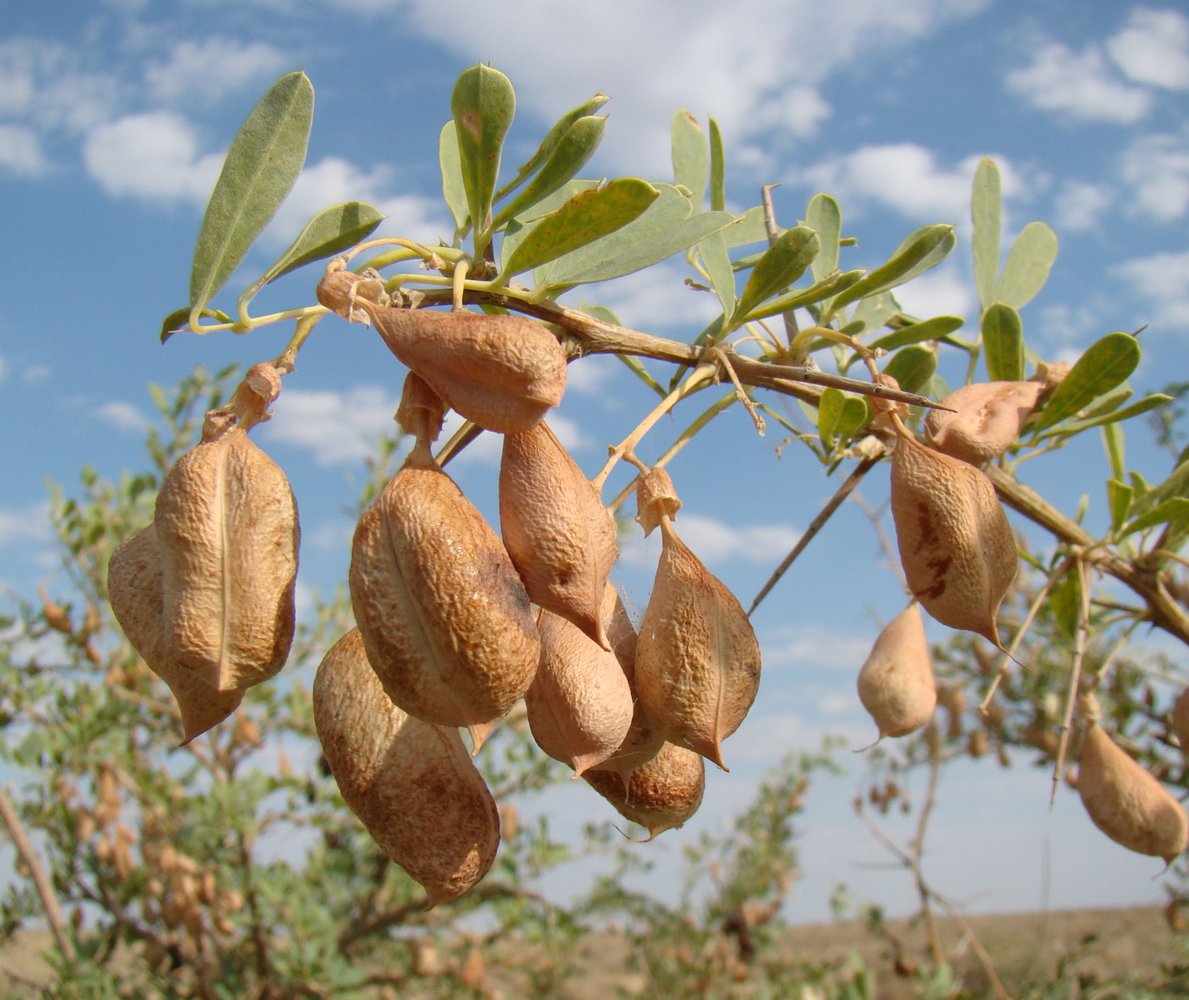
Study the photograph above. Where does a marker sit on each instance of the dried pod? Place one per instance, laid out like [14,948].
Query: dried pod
[697,659]
[560,536]
[579,705]
[1126,802]
[1180,720]
[661,794]
[956,546]
[228,534]
[896,683]
[502,372]
[444,616]
[135,589]
[986,420]
[412,784]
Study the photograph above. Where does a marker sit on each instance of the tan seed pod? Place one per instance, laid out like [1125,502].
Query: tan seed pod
[986,419]
[1126,802]
[956,546]
[412,784]
[502,372]
[445,618]
[579,705]
[896,683]
[135,589]
[661,794]
[228,534]
[560,536]
[1180,720]
[697,665]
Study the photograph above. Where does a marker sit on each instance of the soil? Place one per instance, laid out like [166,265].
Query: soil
[1078,948]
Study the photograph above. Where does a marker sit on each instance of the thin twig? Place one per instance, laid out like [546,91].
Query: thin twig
[1075,676]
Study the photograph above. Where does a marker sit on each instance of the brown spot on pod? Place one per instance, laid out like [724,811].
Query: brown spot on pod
[228,533]
[560,536]
[986,419]
[956,546]
[697,658]
[502,372]
[1126,802]
[444,616]
[579,705]
[661,794]
[412,784]
[134,588]
[896,683]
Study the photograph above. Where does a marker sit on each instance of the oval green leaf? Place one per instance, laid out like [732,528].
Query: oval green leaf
[1028,265]
[1173,511]
[331,230]
[1118,495]
[1107,363]
[986,212]
[717,262]
[782,264]
[915,333]
[450,163]
[260,169]
[1003,343]
[550,143]
[912,367]
[483,105]
[824,217]
[569,155]
[718,170]
[691,165]
[922,250]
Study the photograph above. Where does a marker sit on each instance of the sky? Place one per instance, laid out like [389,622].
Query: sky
[115,115]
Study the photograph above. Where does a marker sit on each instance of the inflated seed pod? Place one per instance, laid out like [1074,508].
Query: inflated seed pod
[896,683]
[412,784]
[661,793]
[986,419]
[503,372]
[445,618]
[579,705]
[956,546]
[697,665]
[228,534]
[1124,800]
[134,588]
[560,536]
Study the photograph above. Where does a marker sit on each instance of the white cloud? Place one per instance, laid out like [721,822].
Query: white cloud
[208,70]
[1157,168]
[153,156]
[1153,48]
[943,291]
[123,416]
[1080,84]
[713,541]
[1161,279]
[31,523]
[657,300]
[44,84]
[20,152]
[817,648]
[1080,205]
[337,427]
[572,437]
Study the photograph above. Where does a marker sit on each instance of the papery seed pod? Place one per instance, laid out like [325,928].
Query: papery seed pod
[1180,720]
[228,534]
[1126,802]
[661,794]
[896,683]
[956,546]
[502,372]
[135,590]
[560,536]
[412,784]
[986,420]
[445,618]
[579,705]
[697,658]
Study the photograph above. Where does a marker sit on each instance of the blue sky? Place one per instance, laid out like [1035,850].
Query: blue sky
[114,116]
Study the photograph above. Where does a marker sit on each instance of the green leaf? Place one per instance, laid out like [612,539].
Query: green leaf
[1107,363]
[667,227]
[1113,417]
[912,367]
[569,156]
[331,230]
[177,320]
[717,262]
[718,170]
[840,415]
[483,105]
[453,190]
[549,144]
[817,292]
[825,218]
[914,333]
[1003,343]
[1028,265]
[986,212]
[1176,485]
[582,220]
[691,166]
[260,169]
[1174,511]
[747,228]
[782,264]
[1118,496]
[1065,603]
[1115,446]
[922,250]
